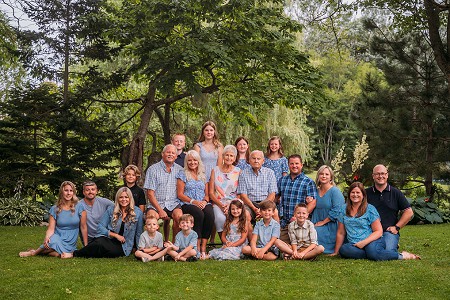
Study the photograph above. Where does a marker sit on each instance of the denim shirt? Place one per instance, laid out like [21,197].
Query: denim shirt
[132,231]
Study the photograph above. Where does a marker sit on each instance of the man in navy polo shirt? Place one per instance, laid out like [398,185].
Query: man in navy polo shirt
[389,201]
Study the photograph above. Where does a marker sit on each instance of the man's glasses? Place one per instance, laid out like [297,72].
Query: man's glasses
[380,174]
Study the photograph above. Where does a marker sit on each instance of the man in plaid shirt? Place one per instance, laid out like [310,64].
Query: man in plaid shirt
[293,189]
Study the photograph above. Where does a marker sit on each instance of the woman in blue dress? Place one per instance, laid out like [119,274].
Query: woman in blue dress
[328,205]
[192,191]
[360,223]
[66,219]
[209,147]
[119,227]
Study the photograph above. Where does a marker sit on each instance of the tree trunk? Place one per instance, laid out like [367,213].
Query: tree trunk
[136,153]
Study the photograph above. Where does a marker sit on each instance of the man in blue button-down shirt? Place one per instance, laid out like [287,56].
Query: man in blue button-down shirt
[257,184]
[293,189]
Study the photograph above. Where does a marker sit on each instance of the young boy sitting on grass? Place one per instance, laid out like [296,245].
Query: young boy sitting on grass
[265,243]
[150,245]
[303,235]
[185,246]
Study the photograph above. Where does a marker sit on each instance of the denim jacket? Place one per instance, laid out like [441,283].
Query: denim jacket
[132,231]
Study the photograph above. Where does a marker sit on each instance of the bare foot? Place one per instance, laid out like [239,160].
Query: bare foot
[66,255]
[30,252]
[407,255]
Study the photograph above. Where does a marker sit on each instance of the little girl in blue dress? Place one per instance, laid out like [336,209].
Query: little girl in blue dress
[234,235]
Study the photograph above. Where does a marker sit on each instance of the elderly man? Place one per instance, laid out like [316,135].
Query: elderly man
[293,189]
[389,201]
[161,186]
[95,207]
[257,184]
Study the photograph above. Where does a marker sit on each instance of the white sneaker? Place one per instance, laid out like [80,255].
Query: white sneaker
[144,259]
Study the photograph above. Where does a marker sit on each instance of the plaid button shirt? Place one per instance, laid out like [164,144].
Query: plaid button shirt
[303,235]
[163,183]
[257,186]
[293,192]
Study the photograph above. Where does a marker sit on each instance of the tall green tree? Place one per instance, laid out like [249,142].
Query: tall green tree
[408,120]
[181,49]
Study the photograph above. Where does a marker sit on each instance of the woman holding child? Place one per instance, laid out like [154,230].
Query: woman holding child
[192,191]
[223,186]
[360,222]
[66,219]
[119,227]
[328,205]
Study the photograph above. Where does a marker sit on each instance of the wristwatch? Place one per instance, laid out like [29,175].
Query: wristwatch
[397,228]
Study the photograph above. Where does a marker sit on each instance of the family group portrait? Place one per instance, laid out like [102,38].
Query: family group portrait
[180,149]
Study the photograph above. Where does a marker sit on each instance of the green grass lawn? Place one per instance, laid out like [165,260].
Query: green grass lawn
[325,278]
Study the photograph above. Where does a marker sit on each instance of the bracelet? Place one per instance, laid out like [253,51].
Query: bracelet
[192,200]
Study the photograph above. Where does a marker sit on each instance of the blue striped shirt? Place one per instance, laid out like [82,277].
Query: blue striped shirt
[293,192]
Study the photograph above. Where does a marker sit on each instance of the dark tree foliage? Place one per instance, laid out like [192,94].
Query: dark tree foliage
[408,121]
[30,138]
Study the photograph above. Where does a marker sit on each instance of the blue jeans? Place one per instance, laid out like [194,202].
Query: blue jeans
[374,251]
[391,240]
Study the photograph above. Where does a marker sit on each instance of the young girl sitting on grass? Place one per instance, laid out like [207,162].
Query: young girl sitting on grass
[234,235]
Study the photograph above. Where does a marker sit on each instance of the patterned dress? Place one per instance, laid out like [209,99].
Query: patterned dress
[229,253]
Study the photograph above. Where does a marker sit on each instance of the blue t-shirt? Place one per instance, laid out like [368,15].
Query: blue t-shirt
[266,233]
[359,229]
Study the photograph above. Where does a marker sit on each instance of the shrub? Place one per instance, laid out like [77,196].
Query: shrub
[427,212]
[17,211]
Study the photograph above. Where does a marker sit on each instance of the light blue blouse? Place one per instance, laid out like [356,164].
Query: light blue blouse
[359,229]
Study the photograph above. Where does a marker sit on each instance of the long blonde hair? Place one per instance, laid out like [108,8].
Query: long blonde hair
[117,213]
[200,170]
[73,201]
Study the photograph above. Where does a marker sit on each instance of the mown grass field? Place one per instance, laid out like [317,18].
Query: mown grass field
[325,278]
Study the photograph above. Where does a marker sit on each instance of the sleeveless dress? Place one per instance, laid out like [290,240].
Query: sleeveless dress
[329,205]
[229,253]
[65,237]
[209,159]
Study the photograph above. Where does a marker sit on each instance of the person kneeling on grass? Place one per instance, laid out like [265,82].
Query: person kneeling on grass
[303,235]
[185,246]
[150,245]
[66,218]
[265,243]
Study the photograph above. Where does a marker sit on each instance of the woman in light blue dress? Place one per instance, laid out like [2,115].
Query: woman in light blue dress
[329,202]
[209,147]
[66,219]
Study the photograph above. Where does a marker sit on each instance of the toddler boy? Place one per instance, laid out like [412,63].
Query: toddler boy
[150,245]
[185,246]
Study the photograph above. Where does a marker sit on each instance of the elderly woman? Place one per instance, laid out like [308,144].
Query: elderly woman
[192,191]
[328,205]
[66,219]
[120,225]
[360,222]
[223,185]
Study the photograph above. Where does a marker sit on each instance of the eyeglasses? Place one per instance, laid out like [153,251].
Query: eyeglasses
[380,174]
